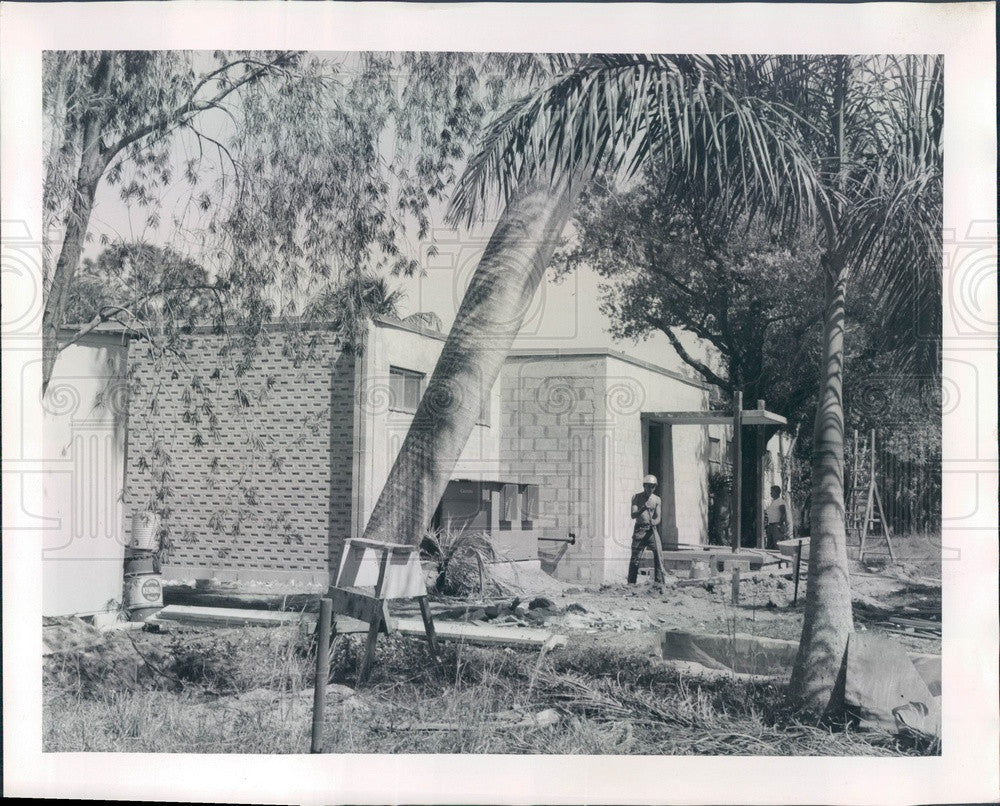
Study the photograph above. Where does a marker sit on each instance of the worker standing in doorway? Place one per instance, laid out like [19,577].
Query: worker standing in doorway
[646,514]
[777,518]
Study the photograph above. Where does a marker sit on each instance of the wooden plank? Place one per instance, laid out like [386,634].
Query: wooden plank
[376,544]
[481,633]
[444,630]
[229,617]
[715,555]
[359,606]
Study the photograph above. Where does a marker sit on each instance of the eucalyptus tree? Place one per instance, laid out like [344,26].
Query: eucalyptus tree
[848,146]
[282,173]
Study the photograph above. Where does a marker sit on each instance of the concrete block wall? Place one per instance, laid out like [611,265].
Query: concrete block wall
[258,497]
[552,437]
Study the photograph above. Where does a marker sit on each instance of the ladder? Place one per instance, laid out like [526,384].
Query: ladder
[865,511]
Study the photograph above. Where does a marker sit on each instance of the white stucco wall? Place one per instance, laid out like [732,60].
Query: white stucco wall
[632,390]
[83,462]
[383,429]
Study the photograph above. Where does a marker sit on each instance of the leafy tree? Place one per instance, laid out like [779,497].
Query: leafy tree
[277,158]
[143,287]
[536,156]
[850,146]
[747,293]
[287,174]
[350,307]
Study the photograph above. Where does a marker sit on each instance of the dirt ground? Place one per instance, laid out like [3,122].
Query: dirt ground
[632,615]
[249,689]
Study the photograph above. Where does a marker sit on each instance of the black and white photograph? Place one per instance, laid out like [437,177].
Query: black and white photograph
[438,404]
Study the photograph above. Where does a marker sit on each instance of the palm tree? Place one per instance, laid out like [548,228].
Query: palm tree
[847,146]
[538,168]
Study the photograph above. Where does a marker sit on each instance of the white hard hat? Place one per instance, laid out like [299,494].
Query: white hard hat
[649,480]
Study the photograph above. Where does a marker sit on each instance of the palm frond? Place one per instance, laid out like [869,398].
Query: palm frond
[705,117]
[893,228]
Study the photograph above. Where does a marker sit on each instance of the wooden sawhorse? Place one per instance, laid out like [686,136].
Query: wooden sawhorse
[393,571]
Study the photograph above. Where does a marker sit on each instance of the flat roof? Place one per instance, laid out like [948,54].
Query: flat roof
[748,417]
[603,352]
[111,328]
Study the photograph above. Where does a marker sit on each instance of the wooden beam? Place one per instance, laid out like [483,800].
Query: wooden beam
[229,617]
[737,506]
[444,630]
[749,417]
[481,633]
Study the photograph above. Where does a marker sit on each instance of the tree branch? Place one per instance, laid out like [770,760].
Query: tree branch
[109,312]
[703,369]
[190,106]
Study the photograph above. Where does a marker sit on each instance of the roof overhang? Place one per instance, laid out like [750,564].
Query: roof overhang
[748,417]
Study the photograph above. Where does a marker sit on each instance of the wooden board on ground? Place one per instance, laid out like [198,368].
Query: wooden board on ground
[228,617]
[187,595]
[482,633]
[446,630]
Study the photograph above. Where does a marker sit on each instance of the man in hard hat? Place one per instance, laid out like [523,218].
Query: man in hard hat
[646,514]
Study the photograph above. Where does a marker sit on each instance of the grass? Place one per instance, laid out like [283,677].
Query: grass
[248,691]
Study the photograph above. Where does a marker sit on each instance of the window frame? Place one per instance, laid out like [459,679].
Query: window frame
[404,374]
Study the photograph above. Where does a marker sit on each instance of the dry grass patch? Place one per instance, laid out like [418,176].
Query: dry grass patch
[248,691]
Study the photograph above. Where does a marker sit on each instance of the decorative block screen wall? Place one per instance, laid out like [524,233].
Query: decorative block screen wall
[258,465]
[552,410]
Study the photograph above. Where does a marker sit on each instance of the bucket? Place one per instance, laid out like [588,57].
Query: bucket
[140,562]
[145,531]
[143,591]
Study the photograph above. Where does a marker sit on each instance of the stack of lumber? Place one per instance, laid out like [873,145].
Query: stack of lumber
[916,622]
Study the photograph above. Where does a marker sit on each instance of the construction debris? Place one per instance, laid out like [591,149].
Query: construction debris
[884,689]
[475,633]
[67,634]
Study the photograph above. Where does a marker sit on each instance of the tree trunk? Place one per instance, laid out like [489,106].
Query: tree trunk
[828,619]
[490,316]
[92,165]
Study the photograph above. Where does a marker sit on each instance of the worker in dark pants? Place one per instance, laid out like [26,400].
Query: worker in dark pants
[776,515]
[646,514]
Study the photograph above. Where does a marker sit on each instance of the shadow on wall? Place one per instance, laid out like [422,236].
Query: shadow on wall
[343,470]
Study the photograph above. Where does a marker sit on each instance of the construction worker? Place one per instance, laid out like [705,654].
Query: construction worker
[776,515]
[646,514]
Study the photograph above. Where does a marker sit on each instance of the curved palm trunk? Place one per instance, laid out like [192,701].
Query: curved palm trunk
[490,316]
[828,619]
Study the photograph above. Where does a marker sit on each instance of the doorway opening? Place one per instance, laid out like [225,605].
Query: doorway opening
[659,460]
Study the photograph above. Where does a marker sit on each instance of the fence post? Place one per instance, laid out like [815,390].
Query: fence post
[322,673]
